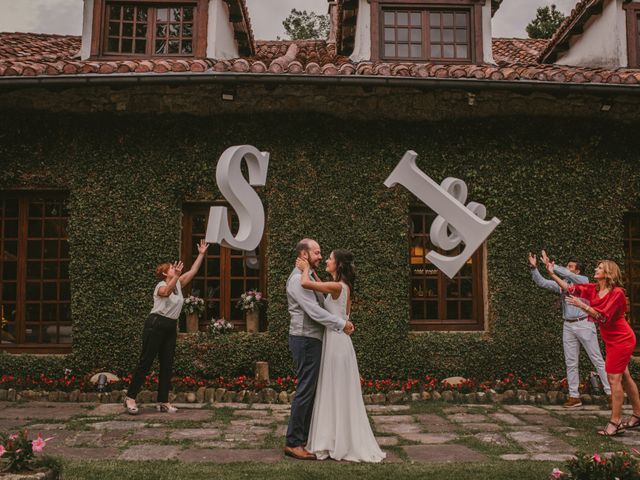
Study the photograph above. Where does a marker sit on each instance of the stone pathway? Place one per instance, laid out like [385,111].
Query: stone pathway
[422,433]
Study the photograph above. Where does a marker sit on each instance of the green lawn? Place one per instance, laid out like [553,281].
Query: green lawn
[291,469]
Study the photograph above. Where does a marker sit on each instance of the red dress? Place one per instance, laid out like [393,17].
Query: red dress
[619,339]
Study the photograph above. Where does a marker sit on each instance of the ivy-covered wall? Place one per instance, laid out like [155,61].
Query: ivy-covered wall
[555,184]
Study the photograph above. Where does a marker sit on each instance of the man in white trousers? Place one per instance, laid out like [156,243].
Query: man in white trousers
[577,329]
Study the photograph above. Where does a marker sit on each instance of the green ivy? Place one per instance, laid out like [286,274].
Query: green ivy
[555,183]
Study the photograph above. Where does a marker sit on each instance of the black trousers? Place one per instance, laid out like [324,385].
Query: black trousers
[307,353]
[158,340]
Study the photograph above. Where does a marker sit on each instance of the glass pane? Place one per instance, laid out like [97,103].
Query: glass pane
[452,289]
[64,249]
[161,30]
[161,46]
[127,30]
[113,45]
[11,228]
[466,288]
[237,267]
[417,310]
[389,34]
[50,249]
[435,51]
[141,14]
[34,249]
[162,14]
[213,289]
[447,35]
[174,30]
[462,51]
[213,267]
[129,13]
[141,46]
[65,291]
[431,289]
[187,29]
[8,291]
[10,250]
[447,51]
[64,270]
[389,18]
[466,310]
[417,223]
[402,18]
[187,14]
[50,270]
[237,288]
[174,46]
[32,334]
[432,310]
[64,312]
[11,208]
[127,45]
[452,310]
[389,50]
[403,34]
[114,31]
[187,46]
[9,270]
[435,35]
[34,270]
[33,291]
[461,35]
[141,29]
[434,19]
[49,291]
[461,20]
[49,334]
[33,312]
[114,13]
[447,19]
[416,35]
[49,312]
[403,50]
[175,14]
[416,51]
[416,18]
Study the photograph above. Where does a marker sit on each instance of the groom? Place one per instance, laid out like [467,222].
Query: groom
[308,321]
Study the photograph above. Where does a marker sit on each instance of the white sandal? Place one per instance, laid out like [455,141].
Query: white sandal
[166,408]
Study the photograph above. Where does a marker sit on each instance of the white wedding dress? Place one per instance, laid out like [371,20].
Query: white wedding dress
[339,425]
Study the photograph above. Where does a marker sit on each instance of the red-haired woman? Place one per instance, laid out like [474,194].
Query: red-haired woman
[605,302]
[160,330]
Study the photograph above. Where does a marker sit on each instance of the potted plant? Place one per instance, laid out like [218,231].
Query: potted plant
[193,308]
[251,303]
[219,327]
[18,459]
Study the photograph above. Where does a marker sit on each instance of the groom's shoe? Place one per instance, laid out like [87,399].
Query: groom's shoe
[298,453]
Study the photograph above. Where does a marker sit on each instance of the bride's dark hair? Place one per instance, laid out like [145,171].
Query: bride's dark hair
[345,272]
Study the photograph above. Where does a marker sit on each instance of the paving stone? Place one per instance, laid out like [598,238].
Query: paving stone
[254,421]
[218,444]
[492,438]
[541,442]
[525,409]
[253,429]
[190,406]
[443,454]
[629,440]
[195,434]
[230,455]
[8,424]
[39,410]
[181,415]
[392,457]
[552,457]
[482,427]
[82,453]
[430,438]
[106,409]
[386,408]
[515,457]
[546,420]
[150,434]
[150,452]
[431,419]
[281,430]
[116,425]
[387,441]
[251,413]
[399,428]
[380,419]
[507,418]
[467,418]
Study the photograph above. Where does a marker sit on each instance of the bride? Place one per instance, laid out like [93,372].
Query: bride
[339,424]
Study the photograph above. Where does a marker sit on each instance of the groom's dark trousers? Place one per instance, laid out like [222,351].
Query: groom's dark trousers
[307,353]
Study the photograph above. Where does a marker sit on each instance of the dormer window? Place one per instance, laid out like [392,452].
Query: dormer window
[148,28]
[437,31]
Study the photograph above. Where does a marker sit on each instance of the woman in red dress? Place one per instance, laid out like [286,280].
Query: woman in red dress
[605,302]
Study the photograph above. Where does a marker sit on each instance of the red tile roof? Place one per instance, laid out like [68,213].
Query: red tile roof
[313,58]
[507,51]
[572,25]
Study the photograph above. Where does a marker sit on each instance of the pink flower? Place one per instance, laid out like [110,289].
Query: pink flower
[258,296]
[38,444]
[2,450]
[596,458]
[13,436]
[556,473]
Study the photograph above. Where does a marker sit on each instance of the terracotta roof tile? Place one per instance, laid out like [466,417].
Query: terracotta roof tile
[514,58]
[38,46]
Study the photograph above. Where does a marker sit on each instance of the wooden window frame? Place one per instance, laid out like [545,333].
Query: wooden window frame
[632,277]
[478,279]
[474,7]
[225,263]
[99,30]
[23,196]
[632,13]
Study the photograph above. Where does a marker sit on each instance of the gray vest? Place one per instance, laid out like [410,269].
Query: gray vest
[301,324]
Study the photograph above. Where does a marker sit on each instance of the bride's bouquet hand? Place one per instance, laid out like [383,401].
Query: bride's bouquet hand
[302,264]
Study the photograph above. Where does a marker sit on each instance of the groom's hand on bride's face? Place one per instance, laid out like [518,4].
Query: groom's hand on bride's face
[348,328]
